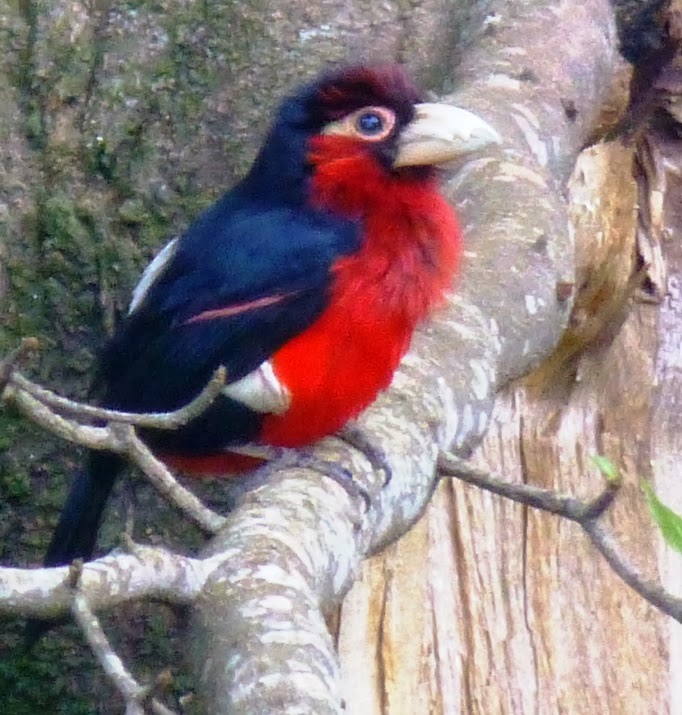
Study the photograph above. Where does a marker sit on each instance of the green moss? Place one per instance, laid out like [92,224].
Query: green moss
[100,159]
[33,682]
[63,230]
[14,483]
[122,143]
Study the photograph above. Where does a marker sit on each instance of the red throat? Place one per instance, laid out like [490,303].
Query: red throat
[405,265]
[412,238]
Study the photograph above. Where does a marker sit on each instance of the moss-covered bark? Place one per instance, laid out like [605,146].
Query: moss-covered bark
[119,121]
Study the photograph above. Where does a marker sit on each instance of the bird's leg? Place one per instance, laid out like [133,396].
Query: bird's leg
[356,437]
[353,435]
[342,476]
[284,458]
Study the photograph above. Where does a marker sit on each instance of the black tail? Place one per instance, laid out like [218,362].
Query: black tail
[76,532]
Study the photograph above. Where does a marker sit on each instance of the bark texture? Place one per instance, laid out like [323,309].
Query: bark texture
[529,618]
[122,118]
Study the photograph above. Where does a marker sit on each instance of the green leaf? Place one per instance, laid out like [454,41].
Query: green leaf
[668,521]
[607,468]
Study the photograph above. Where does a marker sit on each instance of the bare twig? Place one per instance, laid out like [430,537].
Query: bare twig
[160,476]
[545,499]
[134,694]
[585,513]
[99,644]
[85,435]
[121,438]
[159,708]
[158,420]
[654,593]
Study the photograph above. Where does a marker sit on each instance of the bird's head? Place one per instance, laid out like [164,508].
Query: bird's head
[369,115]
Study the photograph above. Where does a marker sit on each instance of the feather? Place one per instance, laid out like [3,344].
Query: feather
[305,281]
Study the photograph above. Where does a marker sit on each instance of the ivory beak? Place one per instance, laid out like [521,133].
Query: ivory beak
[439,133]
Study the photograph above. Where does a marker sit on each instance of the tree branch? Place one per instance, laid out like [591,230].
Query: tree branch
[160,476]
[652,592]
[587,514]
[121,438]
[117,578]
[158,420]
[134,695]
[9,363]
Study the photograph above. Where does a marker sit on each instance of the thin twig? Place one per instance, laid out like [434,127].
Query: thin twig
[112,665]
[41,414]
[160,476]
[545,499]
[159,708]
[163,682]
[134,694]
[158,420]
[587,514]
[120,438]
[652,592]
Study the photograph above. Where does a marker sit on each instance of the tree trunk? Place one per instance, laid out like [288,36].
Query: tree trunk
[120,120]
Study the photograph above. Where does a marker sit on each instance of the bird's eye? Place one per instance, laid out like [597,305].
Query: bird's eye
[373,124]
[370,123]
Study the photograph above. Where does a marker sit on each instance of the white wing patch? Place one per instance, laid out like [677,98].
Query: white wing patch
[151,273]
[260,391]
[259,451]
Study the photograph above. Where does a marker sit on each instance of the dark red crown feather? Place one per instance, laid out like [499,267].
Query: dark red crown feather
[359,86]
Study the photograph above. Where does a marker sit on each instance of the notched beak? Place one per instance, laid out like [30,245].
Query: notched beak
[439,133]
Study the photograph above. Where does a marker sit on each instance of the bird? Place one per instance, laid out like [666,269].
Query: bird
[305,281]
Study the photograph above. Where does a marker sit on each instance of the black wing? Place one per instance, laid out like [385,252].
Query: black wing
[257,275]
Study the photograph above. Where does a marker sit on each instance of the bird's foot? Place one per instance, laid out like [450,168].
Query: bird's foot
[285,458]
[357,438]
[342,476]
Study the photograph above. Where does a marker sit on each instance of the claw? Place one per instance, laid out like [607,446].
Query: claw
[305,459]
[359,439]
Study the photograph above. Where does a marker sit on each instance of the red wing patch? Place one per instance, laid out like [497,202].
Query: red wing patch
[221,465]
[239,308]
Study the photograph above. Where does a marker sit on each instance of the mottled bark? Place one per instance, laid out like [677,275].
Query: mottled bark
[511,610]
[123,109]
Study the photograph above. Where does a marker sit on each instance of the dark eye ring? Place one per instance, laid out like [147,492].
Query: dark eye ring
[370,123]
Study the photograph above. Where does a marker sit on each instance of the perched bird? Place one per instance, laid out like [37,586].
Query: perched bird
[305,281]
